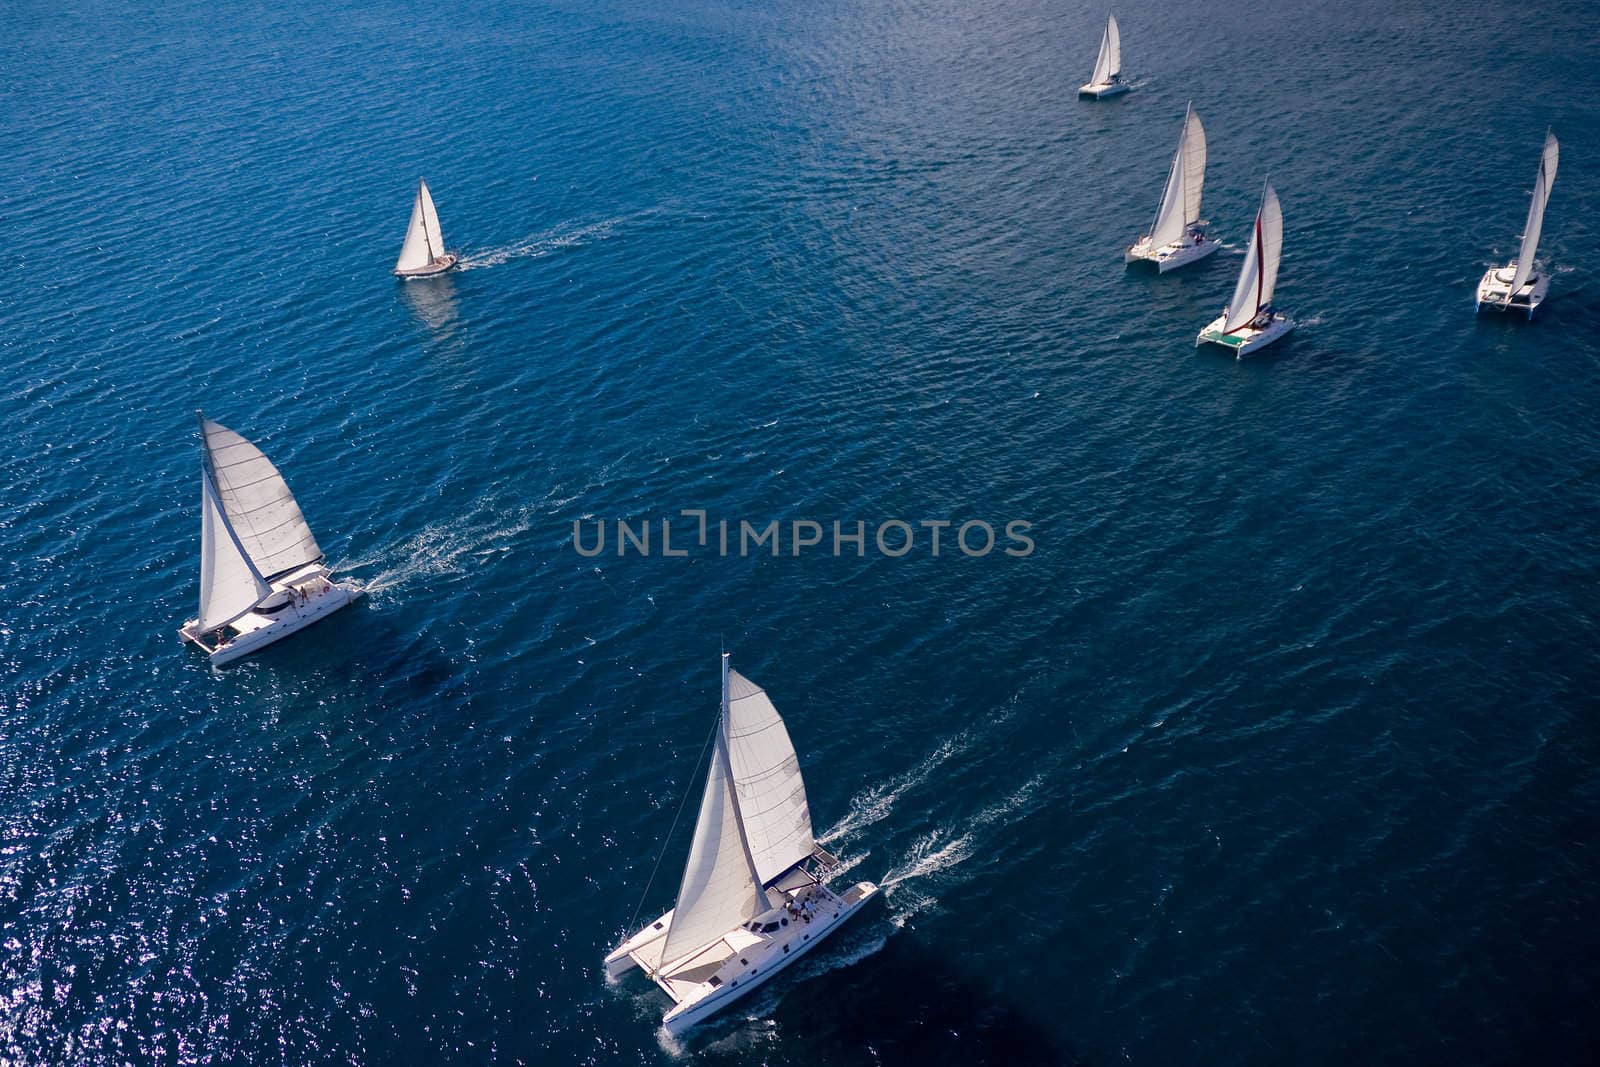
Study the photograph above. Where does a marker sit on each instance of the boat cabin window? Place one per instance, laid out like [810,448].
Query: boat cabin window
[767,929]
[714,982]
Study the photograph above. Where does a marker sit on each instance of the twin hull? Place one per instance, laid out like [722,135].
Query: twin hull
[758,957]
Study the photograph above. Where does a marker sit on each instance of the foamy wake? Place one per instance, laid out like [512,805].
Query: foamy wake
[455,547]
[541,244]
[943,848]
[874,803]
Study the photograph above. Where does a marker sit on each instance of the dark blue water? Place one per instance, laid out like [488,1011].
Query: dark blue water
[1281,746]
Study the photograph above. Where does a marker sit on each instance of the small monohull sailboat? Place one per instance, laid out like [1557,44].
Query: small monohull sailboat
[1522,285]
[261,573]
[423,255]
[1177,235]
[754,896]
[1107,77]
[1250,323]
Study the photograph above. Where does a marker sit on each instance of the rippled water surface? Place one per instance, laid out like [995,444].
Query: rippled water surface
[1281,747]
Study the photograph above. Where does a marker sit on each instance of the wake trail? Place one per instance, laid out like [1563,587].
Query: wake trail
[874,804]
[542,244]
[448,548]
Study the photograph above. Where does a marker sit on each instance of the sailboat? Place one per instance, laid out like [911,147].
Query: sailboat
[1107,78]
[423,255]
[754,896]
[262,576]
[1249,322]
[1177,236]
[1522,285]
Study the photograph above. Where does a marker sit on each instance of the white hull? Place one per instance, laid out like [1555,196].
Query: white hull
[1170,256]
[1247,340]
[1101,90]
[746,956]
[438,266]
[1494,291]
[307,596]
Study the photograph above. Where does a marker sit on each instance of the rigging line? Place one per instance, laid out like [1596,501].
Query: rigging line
[668,840]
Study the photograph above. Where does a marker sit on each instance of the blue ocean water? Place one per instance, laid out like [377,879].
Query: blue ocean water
[1280,747]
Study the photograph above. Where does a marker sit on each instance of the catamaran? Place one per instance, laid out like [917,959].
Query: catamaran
[262,576]
[423,255]
[1250,323]
[1522,285]
[754,896]
[1107,77]
[1177,236]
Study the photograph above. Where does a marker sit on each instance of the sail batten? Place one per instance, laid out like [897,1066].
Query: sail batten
[261,512]
[1543,180]
[766,770]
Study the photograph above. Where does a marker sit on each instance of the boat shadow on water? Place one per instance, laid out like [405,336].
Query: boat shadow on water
[902,1004]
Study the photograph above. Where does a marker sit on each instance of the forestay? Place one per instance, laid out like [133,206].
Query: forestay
[1541,195]
[262,513]
[229,585]
[1259,275]
[766,771]
[1180,202]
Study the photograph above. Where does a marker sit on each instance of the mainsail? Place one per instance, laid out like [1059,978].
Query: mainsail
[720,887]
[424,242]
[1109,62]
[766,771]
[1259,274]
[1180,202]
[260,512]
[229,584]
[1541,195]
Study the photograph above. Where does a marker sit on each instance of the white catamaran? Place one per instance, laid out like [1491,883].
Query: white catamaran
[1177,236]
[1522,285]
[754,896]
[1107,77]
[261,573]
[1250,323]
[423,253]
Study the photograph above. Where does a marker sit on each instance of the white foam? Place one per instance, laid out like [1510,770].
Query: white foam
[541,244]
[874,803]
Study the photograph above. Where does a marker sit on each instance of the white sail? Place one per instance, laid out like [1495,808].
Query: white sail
[424,242]
[720,887]
[718,891]
[766,771]
[229,584]
[1109,62]
[1541,195]
[430,218]
[1259,275]
[260,509]
[1180,202]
